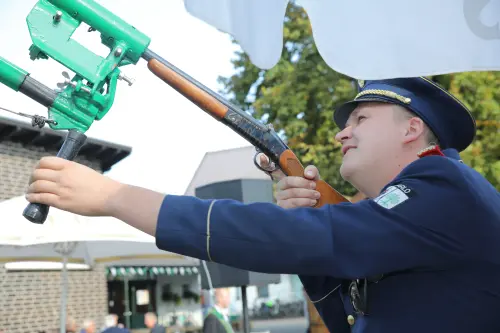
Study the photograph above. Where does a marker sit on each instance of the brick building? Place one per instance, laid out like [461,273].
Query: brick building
[30,300]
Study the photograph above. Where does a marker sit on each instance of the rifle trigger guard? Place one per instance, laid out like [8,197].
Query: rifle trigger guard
[272,165]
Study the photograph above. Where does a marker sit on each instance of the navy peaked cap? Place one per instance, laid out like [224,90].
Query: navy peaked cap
[446,116]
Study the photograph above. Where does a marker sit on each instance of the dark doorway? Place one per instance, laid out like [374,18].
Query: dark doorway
[116,300]
[142,300]
[141,297]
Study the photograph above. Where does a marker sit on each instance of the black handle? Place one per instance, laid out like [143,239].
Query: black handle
[37,213]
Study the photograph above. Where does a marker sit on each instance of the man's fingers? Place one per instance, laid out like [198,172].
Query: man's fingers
[44,174]
[278,175]
[297,193]
[44,192]
[311,172]
[265,162]
[43,186]
[295,182]
[43,198]
[298,202]
[52,162]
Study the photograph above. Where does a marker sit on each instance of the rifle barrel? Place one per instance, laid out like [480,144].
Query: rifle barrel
[149,55]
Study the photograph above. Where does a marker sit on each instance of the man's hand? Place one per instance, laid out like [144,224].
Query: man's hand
[71,187]
[295,192]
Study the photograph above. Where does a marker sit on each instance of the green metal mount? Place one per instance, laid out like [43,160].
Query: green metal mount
[89,95]
[75,108]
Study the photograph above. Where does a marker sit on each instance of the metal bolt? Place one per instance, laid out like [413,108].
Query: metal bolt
[118,52]
[129,80]
[58,16]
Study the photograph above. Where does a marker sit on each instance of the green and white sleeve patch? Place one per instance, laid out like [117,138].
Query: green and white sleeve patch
[393,196]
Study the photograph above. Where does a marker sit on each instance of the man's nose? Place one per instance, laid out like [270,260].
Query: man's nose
[343,135]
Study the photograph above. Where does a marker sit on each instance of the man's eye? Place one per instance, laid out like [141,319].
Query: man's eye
[361,118]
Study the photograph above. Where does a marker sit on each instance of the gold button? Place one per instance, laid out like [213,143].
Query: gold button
[350,320]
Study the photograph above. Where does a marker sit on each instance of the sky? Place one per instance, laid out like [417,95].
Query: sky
[167,133]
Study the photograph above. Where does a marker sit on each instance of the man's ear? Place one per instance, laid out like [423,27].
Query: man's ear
[415,128]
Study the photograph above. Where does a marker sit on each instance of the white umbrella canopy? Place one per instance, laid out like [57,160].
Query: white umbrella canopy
[90,239]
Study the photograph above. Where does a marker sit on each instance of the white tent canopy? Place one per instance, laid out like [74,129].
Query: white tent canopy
[70,238]
[102,239]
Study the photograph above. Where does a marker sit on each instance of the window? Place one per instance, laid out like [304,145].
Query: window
[142,297]
[263,291]
[238,294]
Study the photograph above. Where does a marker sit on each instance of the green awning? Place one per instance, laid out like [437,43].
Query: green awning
[150,271]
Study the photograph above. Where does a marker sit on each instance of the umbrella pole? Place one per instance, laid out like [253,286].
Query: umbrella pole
[246,323]
[64,287]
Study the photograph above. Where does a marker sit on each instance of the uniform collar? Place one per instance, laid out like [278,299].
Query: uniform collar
[224,312]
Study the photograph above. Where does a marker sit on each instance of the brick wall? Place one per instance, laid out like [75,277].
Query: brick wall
[17,163]
[30,300]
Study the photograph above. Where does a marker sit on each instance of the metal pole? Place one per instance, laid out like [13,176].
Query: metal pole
[64,287]
[65,249]
[246,323]
[127,303]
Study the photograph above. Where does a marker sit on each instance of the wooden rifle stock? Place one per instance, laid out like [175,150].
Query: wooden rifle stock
[256,133]
[291,166]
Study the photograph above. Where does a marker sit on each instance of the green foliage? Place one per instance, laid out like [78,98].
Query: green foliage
[299,95]
[480,92]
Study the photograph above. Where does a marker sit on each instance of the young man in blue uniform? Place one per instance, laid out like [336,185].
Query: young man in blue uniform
[421,254]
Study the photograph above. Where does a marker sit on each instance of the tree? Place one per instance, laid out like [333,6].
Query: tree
[480,92]
[299,95]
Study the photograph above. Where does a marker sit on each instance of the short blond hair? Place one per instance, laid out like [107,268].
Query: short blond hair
[402,113]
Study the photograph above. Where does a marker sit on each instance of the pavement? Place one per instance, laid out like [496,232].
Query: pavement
[282,325]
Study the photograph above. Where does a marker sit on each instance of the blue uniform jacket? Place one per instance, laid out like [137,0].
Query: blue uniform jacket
[434,230]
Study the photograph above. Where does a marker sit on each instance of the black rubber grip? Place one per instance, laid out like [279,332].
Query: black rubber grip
[38,91]
[37,213]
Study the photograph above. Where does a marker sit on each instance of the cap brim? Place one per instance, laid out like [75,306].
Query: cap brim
[344,111]
[448,118]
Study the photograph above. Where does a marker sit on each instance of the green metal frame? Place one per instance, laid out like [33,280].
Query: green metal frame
[89,95]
